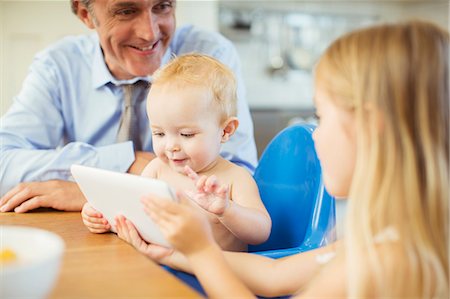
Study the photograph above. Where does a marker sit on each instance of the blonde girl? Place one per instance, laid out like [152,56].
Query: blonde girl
[382,96]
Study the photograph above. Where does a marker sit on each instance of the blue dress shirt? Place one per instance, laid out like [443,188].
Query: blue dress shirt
[69,108]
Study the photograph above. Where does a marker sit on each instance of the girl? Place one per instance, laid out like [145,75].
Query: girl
[382,96]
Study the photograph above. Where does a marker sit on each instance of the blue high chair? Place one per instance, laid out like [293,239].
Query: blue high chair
[290,184]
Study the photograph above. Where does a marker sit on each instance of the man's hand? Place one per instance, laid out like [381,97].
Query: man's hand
[56,194]
[141,160]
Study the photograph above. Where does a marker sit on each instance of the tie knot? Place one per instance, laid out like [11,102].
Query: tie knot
[135,92]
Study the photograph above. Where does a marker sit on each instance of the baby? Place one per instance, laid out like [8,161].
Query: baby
[192,111]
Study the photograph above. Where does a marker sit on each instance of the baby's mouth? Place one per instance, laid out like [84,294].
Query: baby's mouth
[178,160]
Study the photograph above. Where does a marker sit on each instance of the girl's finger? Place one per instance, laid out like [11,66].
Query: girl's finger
[134,238]
[157,215]
[121,228]
[157,204]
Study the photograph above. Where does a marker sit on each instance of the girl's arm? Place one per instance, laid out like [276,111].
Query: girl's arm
[189,232]
[277,277]
[330,282]
[215,275]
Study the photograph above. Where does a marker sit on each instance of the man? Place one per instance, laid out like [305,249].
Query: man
[70,107]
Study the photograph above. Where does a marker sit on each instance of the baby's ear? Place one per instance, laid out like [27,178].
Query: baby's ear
[229,127]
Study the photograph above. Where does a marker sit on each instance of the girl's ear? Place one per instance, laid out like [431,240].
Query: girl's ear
[84,15]
[229,127]
[374,115]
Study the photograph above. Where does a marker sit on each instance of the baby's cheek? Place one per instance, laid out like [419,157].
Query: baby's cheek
[158,150]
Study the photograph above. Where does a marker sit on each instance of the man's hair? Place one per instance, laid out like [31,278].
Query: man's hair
[203,71]
[86,3]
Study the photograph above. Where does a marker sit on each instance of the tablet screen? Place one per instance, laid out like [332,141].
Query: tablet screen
[114,193]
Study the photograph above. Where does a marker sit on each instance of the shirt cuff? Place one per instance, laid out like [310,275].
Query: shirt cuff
[116,157]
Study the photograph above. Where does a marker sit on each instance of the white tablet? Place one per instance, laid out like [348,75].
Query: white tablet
[114,193]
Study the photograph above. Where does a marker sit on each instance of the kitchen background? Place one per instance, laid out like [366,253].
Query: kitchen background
[278,42]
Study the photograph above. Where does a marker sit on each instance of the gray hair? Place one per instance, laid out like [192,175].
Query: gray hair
[86,3]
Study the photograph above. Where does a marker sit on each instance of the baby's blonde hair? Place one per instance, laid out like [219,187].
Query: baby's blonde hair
[198,70]
[395,79]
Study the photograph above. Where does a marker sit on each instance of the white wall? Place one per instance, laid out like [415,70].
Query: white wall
[27,27]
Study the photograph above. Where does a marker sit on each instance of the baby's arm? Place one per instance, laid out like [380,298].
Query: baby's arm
[245,215]
[94,220]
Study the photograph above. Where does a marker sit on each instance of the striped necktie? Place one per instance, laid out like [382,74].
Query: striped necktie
[129,122]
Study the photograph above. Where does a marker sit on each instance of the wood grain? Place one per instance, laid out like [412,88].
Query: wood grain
[100,265]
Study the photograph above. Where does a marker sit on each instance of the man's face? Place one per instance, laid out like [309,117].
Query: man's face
[134,34]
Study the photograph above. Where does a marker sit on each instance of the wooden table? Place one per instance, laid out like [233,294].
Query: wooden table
[100,265]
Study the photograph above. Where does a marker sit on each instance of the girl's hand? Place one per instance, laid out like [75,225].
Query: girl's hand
[186,228]
[127,232]
[94,220]
[210,195]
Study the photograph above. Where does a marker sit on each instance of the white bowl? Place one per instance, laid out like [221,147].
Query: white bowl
[38,259]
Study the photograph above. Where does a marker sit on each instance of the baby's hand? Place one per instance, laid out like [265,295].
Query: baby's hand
[210,195]
[94,220]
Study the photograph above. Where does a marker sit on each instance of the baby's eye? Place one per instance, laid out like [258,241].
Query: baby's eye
[159,134]
[187,135]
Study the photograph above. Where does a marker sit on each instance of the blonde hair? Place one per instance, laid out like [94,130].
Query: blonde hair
[198,70]
[394,77]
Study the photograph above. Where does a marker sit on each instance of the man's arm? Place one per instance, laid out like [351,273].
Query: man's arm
[57,194]
[53,108]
